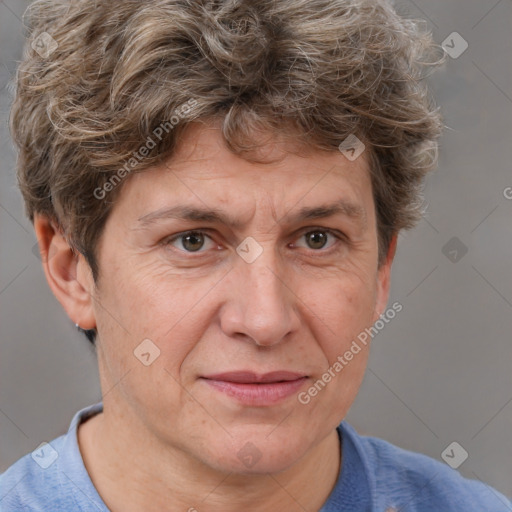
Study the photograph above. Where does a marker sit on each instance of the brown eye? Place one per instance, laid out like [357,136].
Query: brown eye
[316,239]
[191,241]
[322,240]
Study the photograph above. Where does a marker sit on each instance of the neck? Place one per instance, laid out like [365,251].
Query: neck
[158,477]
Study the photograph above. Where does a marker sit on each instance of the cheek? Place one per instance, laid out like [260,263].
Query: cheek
[163,307]
[340,313]
[343,307]
[147,300]
[136,308]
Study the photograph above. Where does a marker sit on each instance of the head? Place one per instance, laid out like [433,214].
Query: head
[191,172]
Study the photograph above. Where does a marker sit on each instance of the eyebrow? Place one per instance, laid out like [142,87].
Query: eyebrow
[197,214]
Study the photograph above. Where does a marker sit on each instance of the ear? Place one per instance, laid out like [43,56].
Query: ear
[384,279]
[68,274]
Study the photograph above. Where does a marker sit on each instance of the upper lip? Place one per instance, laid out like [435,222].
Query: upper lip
[248,377]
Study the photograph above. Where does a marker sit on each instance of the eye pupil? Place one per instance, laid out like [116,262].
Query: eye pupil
[316,239]
[193,241]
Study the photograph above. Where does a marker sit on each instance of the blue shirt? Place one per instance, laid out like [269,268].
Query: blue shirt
[375,477]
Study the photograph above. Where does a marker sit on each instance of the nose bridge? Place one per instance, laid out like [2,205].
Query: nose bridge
[263,307]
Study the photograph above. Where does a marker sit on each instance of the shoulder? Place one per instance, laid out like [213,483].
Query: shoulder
[403,480]
[52,477]
[33,482]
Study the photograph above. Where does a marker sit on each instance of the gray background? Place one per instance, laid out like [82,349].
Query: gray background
[439,372]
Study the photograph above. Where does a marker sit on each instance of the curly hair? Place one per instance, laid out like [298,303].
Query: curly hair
[316,71]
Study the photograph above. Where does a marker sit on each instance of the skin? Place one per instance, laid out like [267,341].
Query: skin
[297,307]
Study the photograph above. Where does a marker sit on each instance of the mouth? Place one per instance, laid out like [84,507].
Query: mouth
[256,389]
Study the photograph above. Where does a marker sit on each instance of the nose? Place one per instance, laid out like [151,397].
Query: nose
[261,305]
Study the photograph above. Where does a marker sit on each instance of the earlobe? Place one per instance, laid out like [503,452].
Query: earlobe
[384,279]
[67,272]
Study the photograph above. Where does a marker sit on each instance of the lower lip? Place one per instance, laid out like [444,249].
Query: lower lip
[258,394]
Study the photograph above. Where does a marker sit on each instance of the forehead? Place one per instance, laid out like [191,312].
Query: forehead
[204,177]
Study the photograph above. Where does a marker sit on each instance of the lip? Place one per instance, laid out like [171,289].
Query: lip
[254,389]
[249,377]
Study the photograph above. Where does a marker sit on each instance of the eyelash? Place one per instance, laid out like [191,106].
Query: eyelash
[338,235]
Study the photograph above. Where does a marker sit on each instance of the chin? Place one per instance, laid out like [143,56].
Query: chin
[256,453]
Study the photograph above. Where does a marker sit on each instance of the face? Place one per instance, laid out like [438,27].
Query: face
[250,281]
